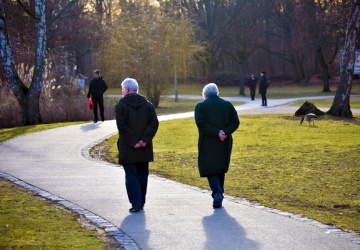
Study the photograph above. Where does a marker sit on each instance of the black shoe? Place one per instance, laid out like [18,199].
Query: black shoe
[134,210]
[95,121]
[217,200]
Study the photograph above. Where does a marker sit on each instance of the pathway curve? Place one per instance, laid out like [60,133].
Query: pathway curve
[56,164]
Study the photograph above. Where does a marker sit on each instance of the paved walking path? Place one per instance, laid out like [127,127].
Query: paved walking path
[56,164]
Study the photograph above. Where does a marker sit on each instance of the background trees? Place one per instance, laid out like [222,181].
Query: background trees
[158,42]
[150,45]
[26,65]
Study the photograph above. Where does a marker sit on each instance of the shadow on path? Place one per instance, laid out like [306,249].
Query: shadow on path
[135,224]
[234,238]
[90,126]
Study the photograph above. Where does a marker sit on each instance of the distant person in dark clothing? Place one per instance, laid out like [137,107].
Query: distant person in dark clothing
[252,85]
[137,123]
[97,89]
[262,88]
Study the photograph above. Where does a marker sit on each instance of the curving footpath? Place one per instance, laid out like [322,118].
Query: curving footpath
[56,165]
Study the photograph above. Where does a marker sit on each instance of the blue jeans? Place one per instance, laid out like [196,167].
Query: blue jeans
[216,183]
[136,178]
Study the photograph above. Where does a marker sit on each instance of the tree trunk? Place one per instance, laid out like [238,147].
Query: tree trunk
[28,98]
[341,103]
[39,69]
[16,85]
[324,69]
[242,85]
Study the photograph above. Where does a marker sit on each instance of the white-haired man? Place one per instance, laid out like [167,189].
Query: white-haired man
[137,123]
[216,120]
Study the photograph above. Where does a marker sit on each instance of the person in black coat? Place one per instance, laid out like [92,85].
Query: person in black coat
[252,85]
[97,89]
[137,124]
[216,120]
[262,88]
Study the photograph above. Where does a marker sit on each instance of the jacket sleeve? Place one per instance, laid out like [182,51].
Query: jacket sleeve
[124,130]
[234,121]
[104,88]
[152,126]
[204,127]
[90,89]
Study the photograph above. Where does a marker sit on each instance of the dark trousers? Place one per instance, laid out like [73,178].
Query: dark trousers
[98,100]
[264,100]
[216,183]
[136,179]
[252,93]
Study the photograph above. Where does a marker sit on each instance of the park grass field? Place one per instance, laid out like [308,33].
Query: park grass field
[277,89]
[31,222]
[309,170]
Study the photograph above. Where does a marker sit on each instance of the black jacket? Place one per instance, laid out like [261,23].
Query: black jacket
[211,115]
[136,120]
[252,82]
[263,85]
[97,87]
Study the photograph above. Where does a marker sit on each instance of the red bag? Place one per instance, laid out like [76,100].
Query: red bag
[91,106]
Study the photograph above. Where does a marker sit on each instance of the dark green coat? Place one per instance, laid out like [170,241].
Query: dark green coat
[136,120]
[211,116]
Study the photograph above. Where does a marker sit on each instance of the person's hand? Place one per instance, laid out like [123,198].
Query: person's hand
[140,144]
[222,135]
[143,144]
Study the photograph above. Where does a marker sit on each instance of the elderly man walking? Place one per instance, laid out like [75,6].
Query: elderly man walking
[216,120]
[137,123]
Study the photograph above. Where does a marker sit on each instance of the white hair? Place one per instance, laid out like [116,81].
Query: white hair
[210,89]
[131,84]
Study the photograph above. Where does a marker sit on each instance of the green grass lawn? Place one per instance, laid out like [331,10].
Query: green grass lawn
[326,103]
[309,170]
[312,171]
[169,106]
[276,89]
[30,222]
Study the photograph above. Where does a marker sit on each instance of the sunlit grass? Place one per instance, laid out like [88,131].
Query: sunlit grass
[276,90]
[29,222]
[169,106]
[326,103]
[308,170]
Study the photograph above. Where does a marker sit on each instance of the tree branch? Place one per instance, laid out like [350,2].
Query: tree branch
[58,15]
[26,10]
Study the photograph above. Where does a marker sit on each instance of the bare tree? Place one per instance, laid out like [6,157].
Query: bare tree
[28,98]
[149,45]
[28,95]
[341,103]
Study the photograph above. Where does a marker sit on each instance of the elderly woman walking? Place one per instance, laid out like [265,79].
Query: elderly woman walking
[216,120]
